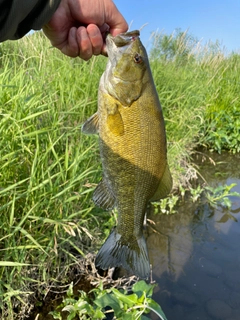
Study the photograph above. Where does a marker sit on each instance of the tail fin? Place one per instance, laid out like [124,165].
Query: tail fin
[116,252]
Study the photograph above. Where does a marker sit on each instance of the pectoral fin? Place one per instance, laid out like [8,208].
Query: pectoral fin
[115,123]
[164,187]
[103,197]
[91,126]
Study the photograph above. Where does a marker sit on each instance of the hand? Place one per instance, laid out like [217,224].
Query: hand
[78,27]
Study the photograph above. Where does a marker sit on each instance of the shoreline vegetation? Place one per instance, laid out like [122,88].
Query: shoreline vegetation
[49,169]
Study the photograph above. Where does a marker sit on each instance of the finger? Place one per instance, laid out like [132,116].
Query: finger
[96,38]
[71,48]
[104,51]
[104,31]
[84,43]
[115,20]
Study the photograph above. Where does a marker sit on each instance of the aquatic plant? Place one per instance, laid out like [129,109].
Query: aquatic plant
[120,303]
[166,205]
[219,196]
[196,192]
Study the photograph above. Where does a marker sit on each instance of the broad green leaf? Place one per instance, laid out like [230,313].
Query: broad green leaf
[129,299]
[155,307]
[69,301]
[235,194]
[227,203]
[128,316]
[108,300]
[82,305]
[99,315]
[142,286]
[69,308]
[71,316]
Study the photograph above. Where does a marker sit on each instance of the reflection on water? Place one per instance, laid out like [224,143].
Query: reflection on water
[196,257]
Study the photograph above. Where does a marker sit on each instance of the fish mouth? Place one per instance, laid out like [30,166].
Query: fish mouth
[124,39]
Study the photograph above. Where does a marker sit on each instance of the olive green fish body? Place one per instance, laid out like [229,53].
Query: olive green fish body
[132,141]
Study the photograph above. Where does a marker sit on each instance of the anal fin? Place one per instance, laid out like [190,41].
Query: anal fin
[165,186]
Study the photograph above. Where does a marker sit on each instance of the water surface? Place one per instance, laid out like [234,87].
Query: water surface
[196,252]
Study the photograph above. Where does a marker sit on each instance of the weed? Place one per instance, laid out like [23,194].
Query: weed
[219,196]
[166,205]
[122,304]
[196,193]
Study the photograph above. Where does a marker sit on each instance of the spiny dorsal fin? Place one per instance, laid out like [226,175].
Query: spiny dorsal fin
[103,197]
[91,126]
[165,186]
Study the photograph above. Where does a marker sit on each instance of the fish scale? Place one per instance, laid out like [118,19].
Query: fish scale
[132,143]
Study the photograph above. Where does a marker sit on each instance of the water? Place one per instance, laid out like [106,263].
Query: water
[196,253]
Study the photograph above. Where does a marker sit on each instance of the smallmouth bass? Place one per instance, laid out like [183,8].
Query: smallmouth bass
[132,141]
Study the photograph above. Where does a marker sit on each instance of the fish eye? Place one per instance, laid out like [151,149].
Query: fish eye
[137,58]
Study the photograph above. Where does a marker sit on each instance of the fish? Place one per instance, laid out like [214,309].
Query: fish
[133,151]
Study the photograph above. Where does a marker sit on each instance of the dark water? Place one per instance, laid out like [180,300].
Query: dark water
[195,257]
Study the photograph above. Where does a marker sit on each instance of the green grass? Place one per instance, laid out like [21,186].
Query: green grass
[199,90]
[49,169]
